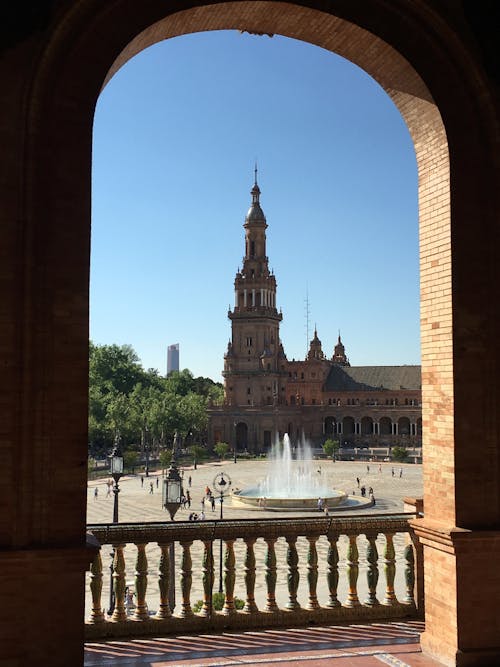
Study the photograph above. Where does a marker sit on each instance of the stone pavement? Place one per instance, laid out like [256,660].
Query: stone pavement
[138,504]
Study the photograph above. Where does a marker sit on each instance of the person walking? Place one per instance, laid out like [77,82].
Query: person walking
[157,481]
[212,502]
[188,499]
[142,481]
[151,490]
[96,493]
[189,481]
[401,472]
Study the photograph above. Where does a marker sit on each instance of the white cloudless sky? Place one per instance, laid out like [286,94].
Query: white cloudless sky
[176,134]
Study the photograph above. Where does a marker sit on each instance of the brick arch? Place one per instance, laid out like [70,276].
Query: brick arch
[429,64]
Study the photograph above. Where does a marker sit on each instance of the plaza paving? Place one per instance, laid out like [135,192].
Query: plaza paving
[138,504]
[362,646]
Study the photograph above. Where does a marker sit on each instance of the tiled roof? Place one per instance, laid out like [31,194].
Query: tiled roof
[373,378]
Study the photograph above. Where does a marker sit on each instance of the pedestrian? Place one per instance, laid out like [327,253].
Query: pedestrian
[327,513]
[129,600]
[264,502]
[96,493]
[108,490]
[151,487]
[212,502]
[191,516]
[188,499]
[320,504]
[363,491]
[195,517]
[401,472]
[370,491]
[379,468]
[392,472]
[372,498]
[142,481]
[157,482]
[202,516]
[368,469]
[189,481]
[357,480]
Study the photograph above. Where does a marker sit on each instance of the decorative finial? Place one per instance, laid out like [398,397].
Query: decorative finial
[255,172]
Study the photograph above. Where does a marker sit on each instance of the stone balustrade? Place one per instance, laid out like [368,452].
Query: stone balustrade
[307,570]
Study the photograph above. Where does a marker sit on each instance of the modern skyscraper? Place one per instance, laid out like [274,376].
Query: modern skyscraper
[173,358]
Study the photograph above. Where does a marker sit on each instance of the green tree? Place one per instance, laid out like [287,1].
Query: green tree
[197,452]
[399,454]
[165,458]
[221,449]
[130,459]
[331,447]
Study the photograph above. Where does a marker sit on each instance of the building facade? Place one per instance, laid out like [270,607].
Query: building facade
[173,358]
[266,395]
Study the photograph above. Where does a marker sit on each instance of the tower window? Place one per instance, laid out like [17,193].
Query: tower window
[252,248]
[249,341]
[249,391]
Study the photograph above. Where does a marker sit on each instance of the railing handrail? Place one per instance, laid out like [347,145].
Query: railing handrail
[168,531]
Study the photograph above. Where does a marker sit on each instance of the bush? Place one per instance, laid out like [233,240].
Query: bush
[218,603]
[399,454]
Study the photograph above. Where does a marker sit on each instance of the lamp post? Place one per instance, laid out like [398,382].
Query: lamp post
[116,469]
[220,484]
[171,501]
[235,440]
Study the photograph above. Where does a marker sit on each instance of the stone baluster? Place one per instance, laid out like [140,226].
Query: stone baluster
[119,613]
[409,555]
[208,578]
[141,583]
[352,572]
[312,572]
[332,575]
[390,570]
[229,578]
[164,610]
[271,574]
[186,580]
[96,615]
[372,571]
[292,559]
[250,605]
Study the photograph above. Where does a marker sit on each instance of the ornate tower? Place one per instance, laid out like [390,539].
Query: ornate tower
[339,355]
[254,361]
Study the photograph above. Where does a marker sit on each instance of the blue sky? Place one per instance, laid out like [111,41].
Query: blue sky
[176,134]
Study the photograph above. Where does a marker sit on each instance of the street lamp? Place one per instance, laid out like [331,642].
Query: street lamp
[116,469]
[172,488]
[221,484]
[171,501]
[235,440]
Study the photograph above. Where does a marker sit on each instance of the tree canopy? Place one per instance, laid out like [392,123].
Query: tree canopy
[144,407]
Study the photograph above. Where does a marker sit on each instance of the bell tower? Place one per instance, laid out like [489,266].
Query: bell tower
[254,360]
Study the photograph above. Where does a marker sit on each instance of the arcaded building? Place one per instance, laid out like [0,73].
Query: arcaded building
[322,396]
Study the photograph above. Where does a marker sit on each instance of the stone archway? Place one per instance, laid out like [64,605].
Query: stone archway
[51,80]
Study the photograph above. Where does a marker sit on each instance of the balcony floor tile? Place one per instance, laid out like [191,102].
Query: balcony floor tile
[394,644]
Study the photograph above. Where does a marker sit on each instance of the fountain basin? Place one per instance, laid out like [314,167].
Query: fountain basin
[252,497]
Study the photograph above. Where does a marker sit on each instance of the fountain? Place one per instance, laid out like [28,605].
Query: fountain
[292,482]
